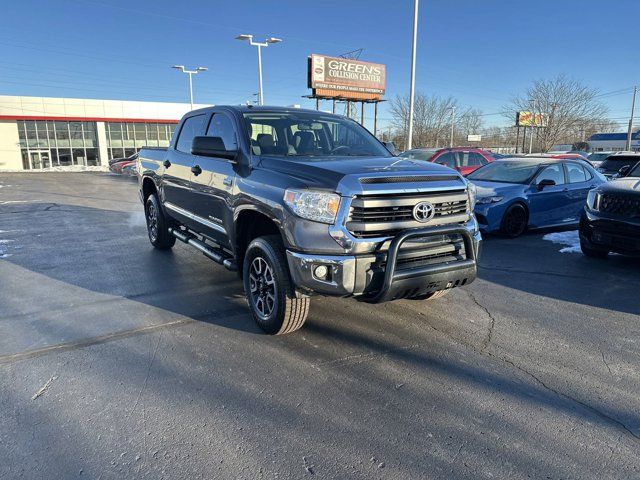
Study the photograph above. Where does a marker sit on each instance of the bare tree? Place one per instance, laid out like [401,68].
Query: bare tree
[431,119]
[567,105]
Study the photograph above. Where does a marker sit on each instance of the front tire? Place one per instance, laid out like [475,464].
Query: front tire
[157,224]
[514,221]
[268,288]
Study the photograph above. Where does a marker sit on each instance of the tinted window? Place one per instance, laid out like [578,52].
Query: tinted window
[576,173]
[193,126]
[448,159]
[222,126]
[635,172]
[616,162]
[552,172]
[472,159]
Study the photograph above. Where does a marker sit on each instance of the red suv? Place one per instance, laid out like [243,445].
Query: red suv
[463,159]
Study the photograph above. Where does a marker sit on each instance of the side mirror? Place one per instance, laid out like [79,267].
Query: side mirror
[212,147]
[547,182]
[624,170]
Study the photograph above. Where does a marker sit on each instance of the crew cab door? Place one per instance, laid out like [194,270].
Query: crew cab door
[177,169]
[213,181]
[550,205]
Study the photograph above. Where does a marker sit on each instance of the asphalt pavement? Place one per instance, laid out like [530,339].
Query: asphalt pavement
[119,361]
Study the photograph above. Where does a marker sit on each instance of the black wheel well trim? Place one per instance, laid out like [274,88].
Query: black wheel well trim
[244,231]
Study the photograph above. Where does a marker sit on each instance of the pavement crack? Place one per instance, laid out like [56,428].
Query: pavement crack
[492,324]
[605,363]
[584,405]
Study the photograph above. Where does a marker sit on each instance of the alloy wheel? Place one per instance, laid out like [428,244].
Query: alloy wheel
[262,287]
[152,221]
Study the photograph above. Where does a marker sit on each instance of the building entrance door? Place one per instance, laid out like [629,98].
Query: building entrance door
[40,159]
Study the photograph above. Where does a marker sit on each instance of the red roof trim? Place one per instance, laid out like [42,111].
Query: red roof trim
[86,119]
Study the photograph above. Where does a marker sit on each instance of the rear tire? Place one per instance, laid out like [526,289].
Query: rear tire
[268,289]
[157,224]
[514,221]
[592,252]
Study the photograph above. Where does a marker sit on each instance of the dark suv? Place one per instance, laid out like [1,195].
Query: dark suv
[611,219]
[302,202]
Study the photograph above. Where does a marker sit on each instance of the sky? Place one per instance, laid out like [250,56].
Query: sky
[480,52]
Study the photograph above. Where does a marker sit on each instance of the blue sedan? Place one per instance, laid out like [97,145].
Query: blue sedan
[521,193]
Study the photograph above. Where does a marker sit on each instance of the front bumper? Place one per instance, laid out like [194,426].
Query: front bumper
[379,277]
[613,233]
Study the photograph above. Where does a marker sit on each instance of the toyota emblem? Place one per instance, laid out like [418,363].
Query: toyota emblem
[424,211]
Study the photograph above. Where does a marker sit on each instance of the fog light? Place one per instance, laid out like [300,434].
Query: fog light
[321,272]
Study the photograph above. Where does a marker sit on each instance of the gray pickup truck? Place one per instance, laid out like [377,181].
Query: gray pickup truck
[305,203]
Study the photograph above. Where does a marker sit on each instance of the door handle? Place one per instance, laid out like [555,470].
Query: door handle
[196,170]
[228,181]
[166,164]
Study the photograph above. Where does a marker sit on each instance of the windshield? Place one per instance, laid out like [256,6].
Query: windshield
[506,171]
[635,172]
[419,154]
[304,134]
[616,162]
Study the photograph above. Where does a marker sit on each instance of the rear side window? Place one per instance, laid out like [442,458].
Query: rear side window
[471,159]
[192,127]
[576,173]
[448,159]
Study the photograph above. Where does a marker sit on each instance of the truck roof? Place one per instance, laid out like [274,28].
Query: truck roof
[264,108]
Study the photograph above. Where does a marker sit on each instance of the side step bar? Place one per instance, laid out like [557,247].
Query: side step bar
[209,252]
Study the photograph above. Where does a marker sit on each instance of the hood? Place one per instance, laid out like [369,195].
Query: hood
[490,189]
[327,172]
[622,185]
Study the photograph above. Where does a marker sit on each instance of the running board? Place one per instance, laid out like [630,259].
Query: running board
[215,255]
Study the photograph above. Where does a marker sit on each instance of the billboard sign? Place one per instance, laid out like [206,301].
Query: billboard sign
[526,119]
[344,77]
[472,137]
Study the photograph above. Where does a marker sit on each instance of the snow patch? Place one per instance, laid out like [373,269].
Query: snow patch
[571,240]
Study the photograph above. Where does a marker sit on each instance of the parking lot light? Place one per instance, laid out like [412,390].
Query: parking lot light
[190,73]
[259,45]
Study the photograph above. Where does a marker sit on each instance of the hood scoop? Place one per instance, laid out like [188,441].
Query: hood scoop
[408,179]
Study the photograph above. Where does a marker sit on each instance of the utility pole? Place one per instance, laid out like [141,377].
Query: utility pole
[413,74]
[633,109]
[453,122]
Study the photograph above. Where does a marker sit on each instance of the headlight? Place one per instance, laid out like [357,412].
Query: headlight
[488,200]
[593,200]
[313,205]
[472,191]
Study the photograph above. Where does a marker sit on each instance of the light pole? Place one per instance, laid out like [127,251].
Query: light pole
[453,123]
[259,45]
[190,73]
[630,130]
[413,74]
[533,124]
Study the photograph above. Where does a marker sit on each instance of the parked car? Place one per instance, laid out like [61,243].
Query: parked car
[464,160]
[561,148]
[516,194]
[613,163]
[610,220]
[303,202]
[130,158]
[596,158]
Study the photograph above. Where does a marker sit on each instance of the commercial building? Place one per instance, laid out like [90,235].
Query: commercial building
[615,142]
[43,132]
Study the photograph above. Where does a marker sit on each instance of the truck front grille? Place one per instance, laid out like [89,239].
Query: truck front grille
[385,215]
[624,206]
